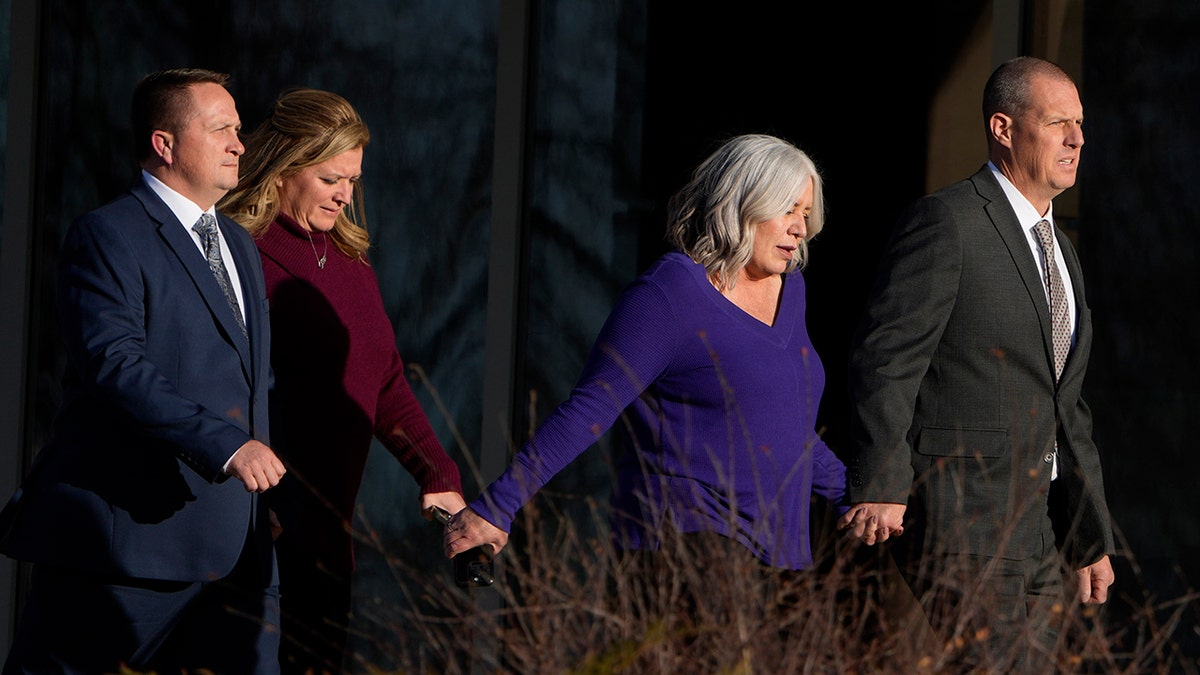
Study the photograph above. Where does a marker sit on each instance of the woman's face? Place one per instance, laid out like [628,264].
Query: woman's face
[315,196]
[776,240]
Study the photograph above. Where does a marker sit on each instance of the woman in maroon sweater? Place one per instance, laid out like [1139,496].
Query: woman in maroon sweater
[339,380]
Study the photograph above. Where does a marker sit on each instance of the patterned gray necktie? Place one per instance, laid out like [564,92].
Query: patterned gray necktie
[1059,312]
[1060,318]
[206,227]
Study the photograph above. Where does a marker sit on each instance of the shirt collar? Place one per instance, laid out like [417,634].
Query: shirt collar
[1027,215]
[184,209]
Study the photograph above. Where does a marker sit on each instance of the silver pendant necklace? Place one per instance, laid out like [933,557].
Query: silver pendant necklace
[320,258]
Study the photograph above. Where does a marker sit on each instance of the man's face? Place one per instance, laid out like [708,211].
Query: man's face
[1046,140]
[204,152]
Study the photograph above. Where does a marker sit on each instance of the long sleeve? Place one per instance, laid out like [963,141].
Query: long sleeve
[102,302]
[403,428]
[955,401]
[157,394]
[633,348]
[714,410]
[915,294]
[340,383]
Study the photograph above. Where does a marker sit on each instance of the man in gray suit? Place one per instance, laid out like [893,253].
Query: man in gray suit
[969,435]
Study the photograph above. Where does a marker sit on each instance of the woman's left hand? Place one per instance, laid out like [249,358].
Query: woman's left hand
[467,529]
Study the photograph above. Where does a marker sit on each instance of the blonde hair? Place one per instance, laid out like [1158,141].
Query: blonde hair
[749,179]
[305,127]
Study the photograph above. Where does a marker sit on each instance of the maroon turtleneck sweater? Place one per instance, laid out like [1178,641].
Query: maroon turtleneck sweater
[339,382]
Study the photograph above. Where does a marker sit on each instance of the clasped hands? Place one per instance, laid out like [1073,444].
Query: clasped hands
[873,522]
[466,530]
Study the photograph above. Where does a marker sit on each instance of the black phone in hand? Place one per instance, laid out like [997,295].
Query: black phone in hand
[472,568]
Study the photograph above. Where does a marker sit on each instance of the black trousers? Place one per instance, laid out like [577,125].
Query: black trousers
[78,622]
[992,614]
[315,603]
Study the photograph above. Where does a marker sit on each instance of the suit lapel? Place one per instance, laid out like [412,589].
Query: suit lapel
[250,290]
[1082,318]
[1009,228]
[196,266]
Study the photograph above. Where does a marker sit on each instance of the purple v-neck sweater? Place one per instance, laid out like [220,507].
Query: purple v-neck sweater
[339,382]
[717,411]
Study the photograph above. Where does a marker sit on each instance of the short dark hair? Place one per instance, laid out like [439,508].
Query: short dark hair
[1007,90]
[161,100]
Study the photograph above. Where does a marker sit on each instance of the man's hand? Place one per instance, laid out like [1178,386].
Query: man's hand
[1094,580]
[256,466]
[467,529]
[873,522]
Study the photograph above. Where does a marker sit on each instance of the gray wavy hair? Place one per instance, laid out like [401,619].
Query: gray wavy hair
[749,179]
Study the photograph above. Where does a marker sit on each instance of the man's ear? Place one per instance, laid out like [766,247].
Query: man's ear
[1001,126]
[163,142]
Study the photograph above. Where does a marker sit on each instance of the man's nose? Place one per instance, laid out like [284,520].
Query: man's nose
[1075,138]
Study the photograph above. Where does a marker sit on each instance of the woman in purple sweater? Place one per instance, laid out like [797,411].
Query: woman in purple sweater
[707,362]
[339,380]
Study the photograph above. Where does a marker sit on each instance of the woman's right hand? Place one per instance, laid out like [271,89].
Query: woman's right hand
[467,529]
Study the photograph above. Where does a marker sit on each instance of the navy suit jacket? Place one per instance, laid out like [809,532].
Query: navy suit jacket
[160,389]
[954,399]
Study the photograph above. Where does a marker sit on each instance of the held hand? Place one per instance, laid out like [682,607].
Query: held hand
[256,466]
[467,529]
[873,522]
[450,502]
[1094,580]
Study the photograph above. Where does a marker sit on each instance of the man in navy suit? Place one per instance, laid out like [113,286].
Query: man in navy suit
[141,516]
[970,433]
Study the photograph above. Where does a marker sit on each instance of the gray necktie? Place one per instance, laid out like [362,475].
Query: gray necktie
[1059,312]
[206,227]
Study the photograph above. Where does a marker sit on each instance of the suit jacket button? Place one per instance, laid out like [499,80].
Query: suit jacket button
[1048,458]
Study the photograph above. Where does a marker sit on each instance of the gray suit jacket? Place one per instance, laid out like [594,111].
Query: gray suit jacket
[955,406]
